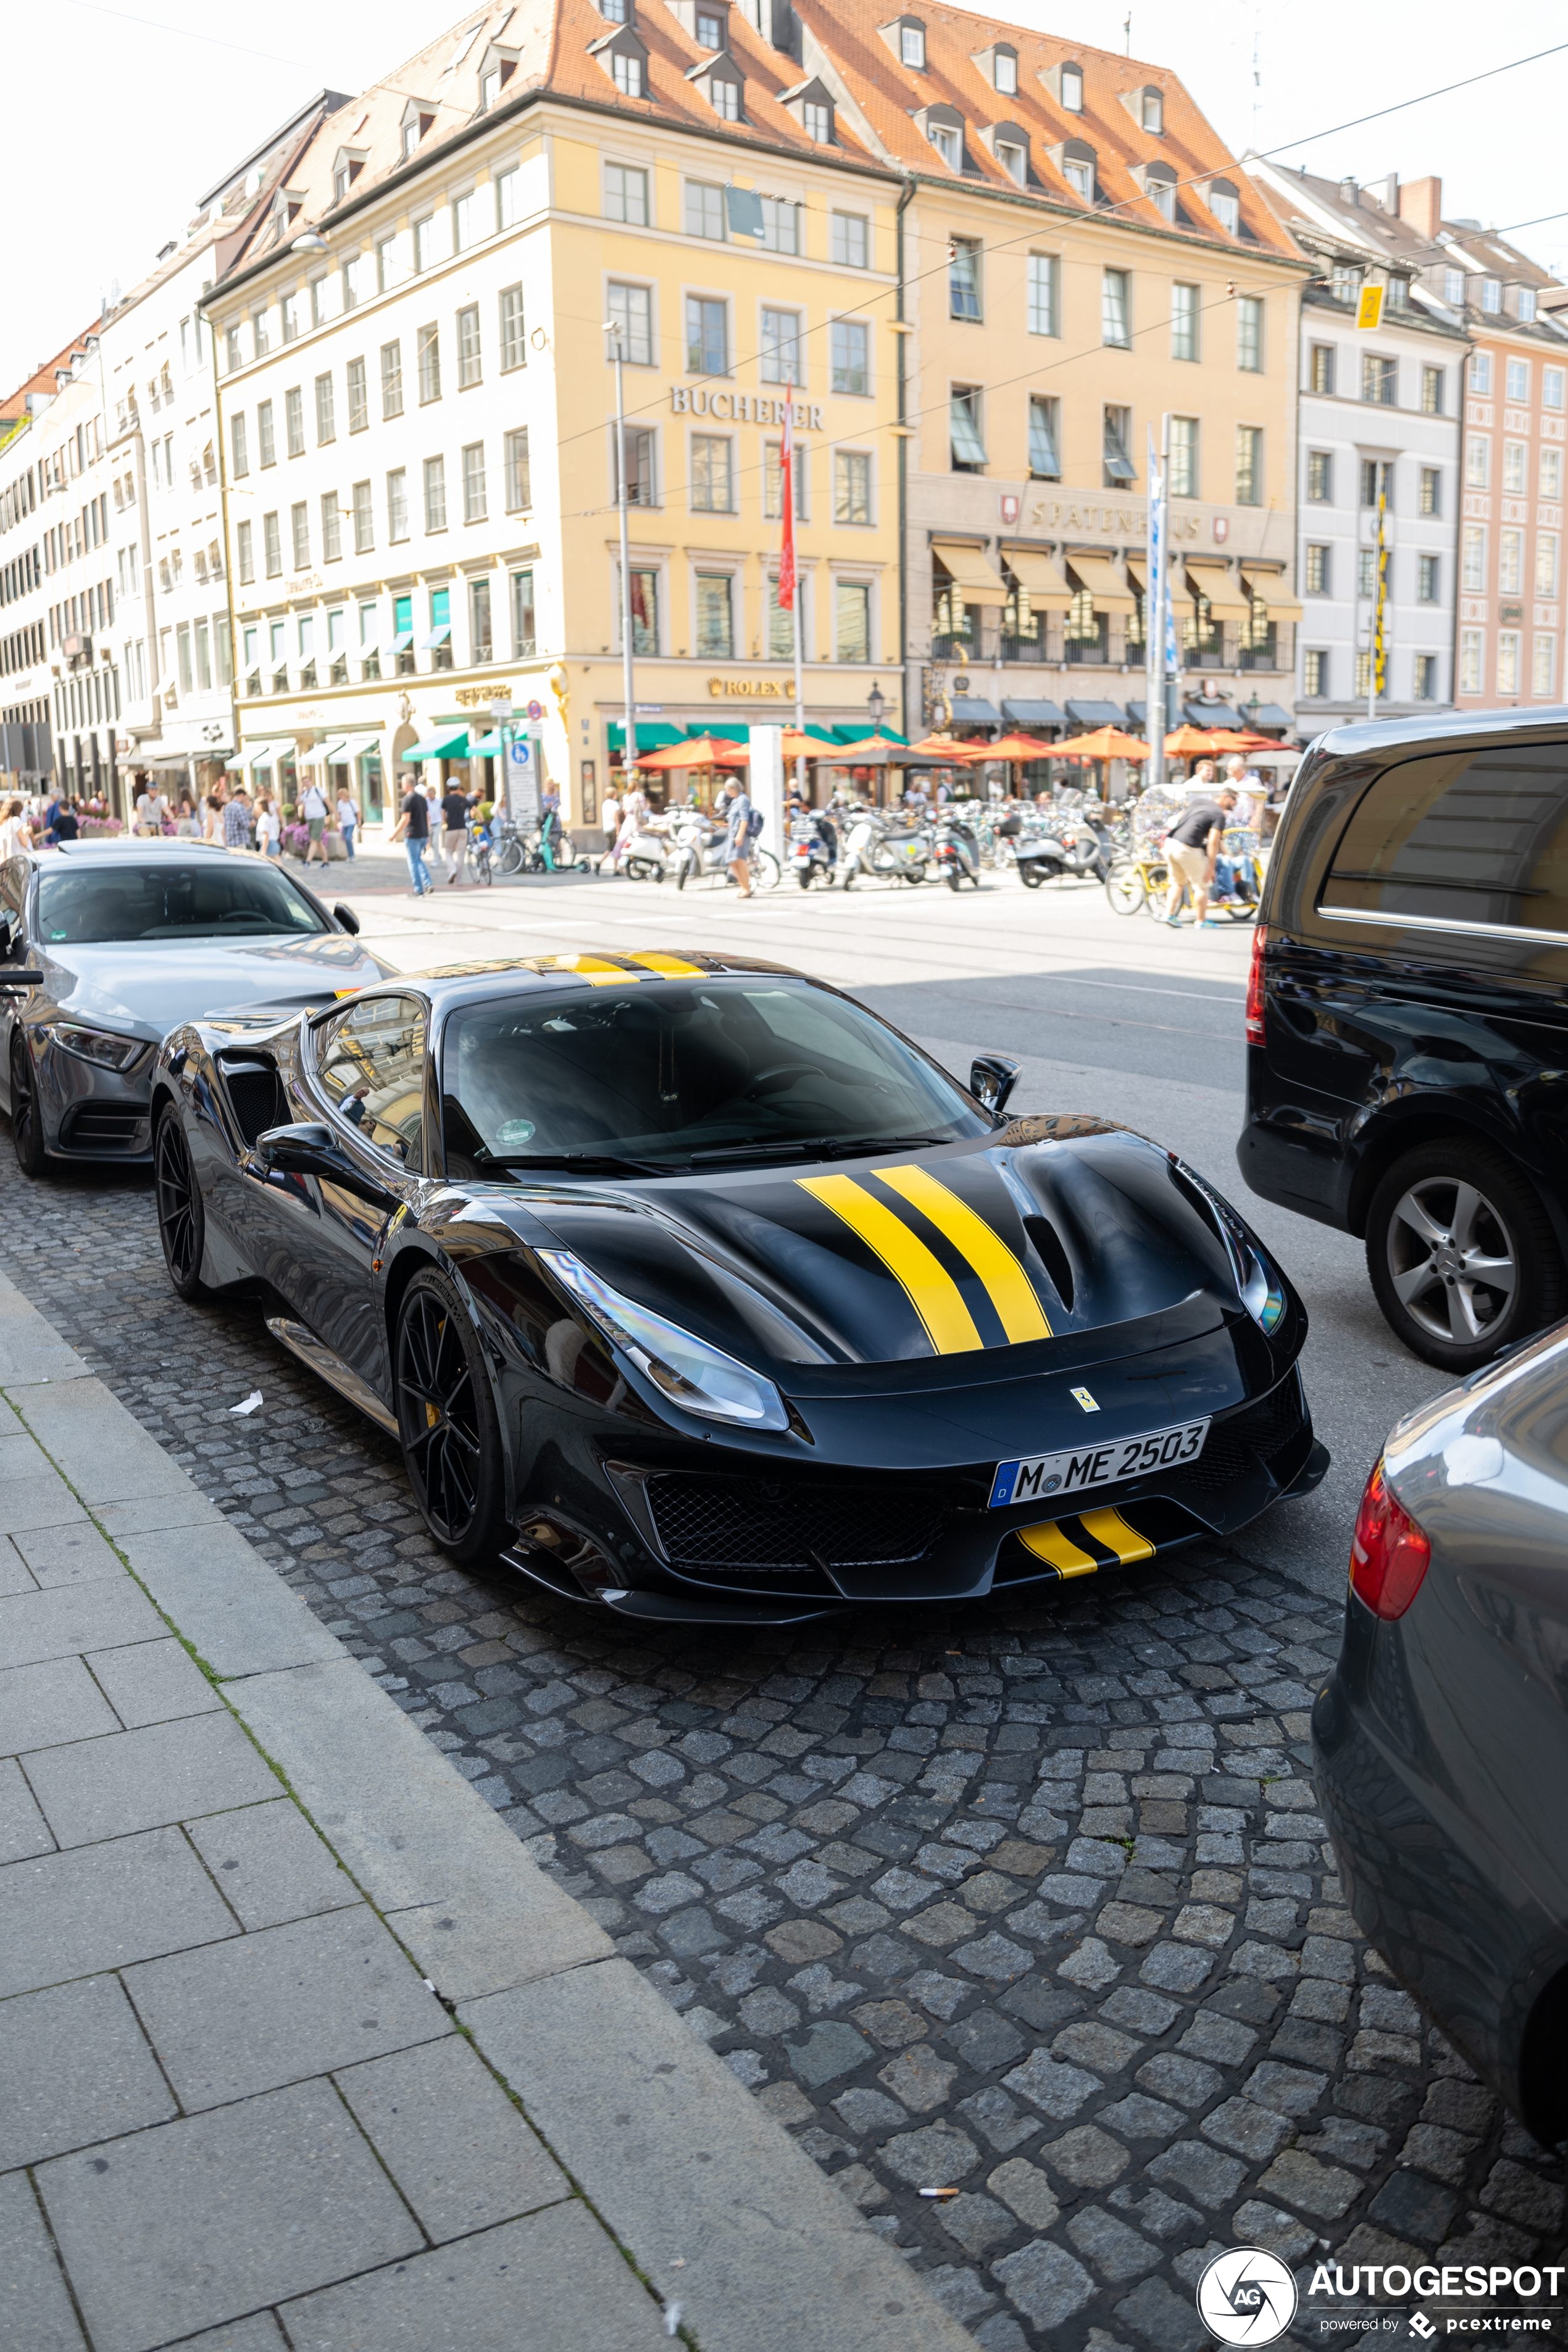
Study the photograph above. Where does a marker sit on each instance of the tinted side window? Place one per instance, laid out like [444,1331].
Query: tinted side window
[1474,837]
[370,1061]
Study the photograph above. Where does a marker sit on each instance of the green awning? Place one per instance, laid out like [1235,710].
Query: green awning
[489,747]
[726,731]
[653,734]
[445,744]
[862,735]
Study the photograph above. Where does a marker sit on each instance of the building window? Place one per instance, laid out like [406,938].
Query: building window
[403,629]
[429,347]
[326,411]
[1117,448]
[1249,465]
[1044,309]
[1045,443]
[850,240]
[518,487]
[1321,368]
[1432,393]
[715,616]
[1546,563]
[851,620]
[293,422]
[1491,299]
[782,360]
[1115,308]
[1552,473]
[1379,378]
[1321,476]
[967,448]
[1183,456]
[626,73]
[1080,177]
[713,473]
[724,96]
[1425,677]
[261,339]
[475,505]
[272,546]
[245,547]
[1524,305]
[364,528]
[851,486]
[705,210]
[183,641]
[1363,677]
[266,443]
[1481,373]
[773,481]
[1478,462]
[625,194]
[963,278]
[358,398]
[643,601]
[1472,654]
[1184,309]
[386,267]
[1249,332]
[1515,467]
[240,450]
[233,357]
[1516,381]
[1431,492]
[1072,88]
[1543,664]
[1552,379]
[1377,482]
[424,242]
[1226,210]
[465,221]
[1509,642]
[1318,571]
[434,494]
[439,641]
[1473,560]
[331,528]
[470,364]
[390,381]
[641,488]
[912,47]
[481,642]
[397,503]
[707,336]
[631,310]
[948,143]
[1314,677]
[1428,579]
[849,345]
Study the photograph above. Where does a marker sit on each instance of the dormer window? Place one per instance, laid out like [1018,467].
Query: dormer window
[1074,161]
[710,29]
[1225,204]
[1454,288]
[1152,111]
[1010,145]
[340,184]
[1005,72]
[721,80]
[417,122]
[948,141]
[1491,293]
[1524,305]
[624,58]
[616,12]
[489,89]
[912,47]
[346,168]
[1159,184]
[817,120]
[628,75]
[1071,88]
[811,103]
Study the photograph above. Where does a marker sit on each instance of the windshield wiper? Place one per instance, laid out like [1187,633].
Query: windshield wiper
[604,1163]
[815,1146]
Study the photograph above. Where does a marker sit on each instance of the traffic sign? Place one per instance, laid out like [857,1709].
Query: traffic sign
[1369,310]
[536,710]
[521,752]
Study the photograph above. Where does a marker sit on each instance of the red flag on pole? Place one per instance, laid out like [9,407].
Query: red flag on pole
[786,492]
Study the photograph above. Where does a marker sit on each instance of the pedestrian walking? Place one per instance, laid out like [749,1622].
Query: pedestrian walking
[212,817]
[412,829]
[1192,846]
[268,827]
[313,809]
[237,820]
[15,833]
[348,822]
[738,815]
[455,830]
[610,818]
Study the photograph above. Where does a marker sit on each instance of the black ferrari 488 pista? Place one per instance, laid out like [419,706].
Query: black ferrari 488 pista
[691,1288]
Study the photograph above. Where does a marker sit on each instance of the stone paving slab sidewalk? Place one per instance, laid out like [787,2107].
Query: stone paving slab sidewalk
[297,2045]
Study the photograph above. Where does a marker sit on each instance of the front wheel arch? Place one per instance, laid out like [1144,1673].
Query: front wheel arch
[416,1257]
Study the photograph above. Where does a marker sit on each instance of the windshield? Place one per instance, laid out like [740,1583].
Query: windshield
[682,1073]
[170,898]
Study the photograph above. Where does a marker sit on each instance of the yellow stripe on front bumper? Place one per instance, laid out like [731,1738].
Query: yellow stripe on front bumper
[1008,1287]
[1111,1529]
[1049,1543]
[676,967]
[929,1288]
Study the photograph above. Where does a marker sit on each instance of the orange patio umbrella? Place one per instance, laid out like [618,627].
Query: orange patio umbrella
[938,747]
[697,752]
[1011,748]
[1104,743]
[1187,743]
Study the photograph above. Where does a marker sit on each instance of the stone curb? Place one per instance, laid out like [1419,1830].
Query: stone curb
[681,2163]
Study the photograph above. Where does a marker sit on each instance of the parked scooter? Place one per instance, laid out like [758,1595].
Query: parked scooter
[957,852]
[1075,845]
[647,856]
[904,854]
[698,848]
[813,845]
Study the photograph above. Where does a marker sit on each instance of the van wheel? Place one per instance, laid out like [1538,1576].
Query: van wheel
[1462,1256]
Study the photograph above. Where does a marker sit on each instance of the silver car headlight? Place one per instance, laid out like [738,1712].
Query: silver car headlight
[103,1047]
[700,1378]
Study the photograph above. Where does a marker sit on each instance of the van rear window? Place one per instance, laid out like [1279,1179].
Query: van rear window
[1473,837]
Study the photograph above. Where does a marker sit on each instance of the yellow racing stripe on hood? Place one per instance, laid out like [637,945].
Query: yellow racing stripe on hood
[1008,1287]
[929,1288]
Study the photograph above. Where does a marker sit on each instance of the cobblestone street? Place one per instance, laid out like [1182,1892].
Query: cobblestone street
[1028,1904]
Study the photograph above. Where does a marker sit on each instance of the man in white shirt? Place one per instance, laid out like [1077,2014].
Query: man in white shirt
[313,809]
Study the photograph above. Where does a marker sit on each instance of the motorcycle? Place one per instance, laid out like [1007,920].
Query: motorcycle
[811,851]
[957,853]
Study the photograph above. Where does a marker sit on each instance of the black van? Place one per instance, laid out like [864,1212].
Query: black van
[1408,1020]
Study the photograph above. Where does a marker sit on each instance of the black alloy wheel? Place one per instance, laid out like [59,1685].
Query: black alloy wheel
[27,1127]
[181,1223]
[447,1422]
[1461,1254]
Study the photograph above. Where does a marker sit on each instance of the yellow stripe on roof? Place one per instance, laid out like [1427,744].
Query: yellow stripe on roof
[677,967]
[1008,1287]
[1118,1534]
[599,972]
[929,1288]
[1049,1543]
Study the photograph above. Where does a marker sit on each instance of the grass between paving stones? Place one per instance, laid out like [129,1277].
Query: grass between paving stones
[1030,1900]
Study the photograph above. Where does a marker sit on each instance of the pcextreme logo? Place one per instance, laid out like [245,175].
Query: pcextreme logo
[1247,2296]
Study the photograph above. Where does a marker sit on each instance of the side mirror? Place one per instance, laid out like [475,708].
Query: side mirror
[992,1079]
[346,920]
[307,1149]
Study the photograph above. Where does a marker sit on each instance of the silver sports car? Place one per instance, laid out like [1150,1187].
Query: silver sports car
[127,939]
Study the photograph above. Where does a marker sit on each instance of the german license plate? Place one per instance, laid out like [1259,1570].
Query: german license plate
[1046,1477]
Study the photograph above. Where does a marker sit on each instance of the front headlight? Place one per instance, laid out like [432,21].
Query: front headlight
[1261,1295]
[698,1378]
[1256,1285]
[103,1046]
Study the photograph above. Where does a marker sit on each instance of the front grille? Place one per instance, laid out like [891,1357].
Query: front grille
[257,1095]
[104,1127]
[782,1527]
[1235,1443]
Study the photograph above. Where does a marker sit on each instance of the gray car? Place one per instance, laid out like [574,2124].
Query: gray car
[128,939]
[1442,1735]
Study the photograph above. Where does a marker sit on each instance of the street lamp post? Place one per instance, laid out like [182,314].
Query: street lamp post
[629,688]
[876,703]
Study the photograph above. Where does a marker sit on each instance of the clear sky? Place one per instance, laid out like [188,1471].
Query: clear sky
[119,117]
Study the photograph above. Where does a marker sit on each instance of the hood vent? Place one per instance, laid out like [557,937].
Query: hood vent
[1048,1249]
